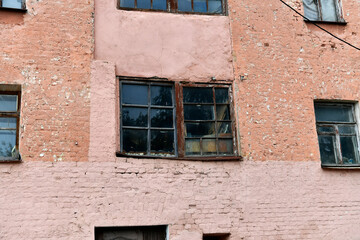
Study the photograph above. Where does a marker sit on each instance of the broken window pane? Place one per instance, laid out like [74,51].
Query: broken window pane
[162,118]
[225,146]
[184,5]
[198,95]
[199,5]
[134,94]
[143,4]
[161,96]
[222,112]
[132,116]
[159,4]
[135,140]
[328,10]
[12,4]
[8,103]
[333,113]
[200,129]
[348,146]
[192,147]
[224,129]
[327,149]
[7,142]
[162,141]
[199,112]
[311,10]
[214,6]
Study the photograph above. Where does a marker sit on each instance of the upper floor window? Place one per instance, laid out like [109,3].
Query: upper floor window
[180,6]
[175,120]
[337,134]
[323,10]
[9,125]
[131,233]
[13,4]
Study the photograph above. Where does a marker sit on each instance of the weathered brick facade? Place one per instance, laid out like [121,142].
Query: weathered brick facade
[70,181]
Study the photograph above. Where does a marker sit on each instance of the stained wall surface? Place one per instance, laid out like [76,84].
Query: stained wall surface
[174,46]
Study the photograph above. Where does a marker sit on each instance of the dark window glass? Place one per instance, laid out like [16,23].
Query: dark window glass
[135,140]
[222,95]
[198,95]
[134,94]
[200,6]
[8,103]
[344,129]
[329,113]
[326,129]
[209,146]
[226,146]
[7,142]
[144,4]
[348,146]
[162,118]
[327,149]
[159,4]
[184,5]
[200,129]
[224,129]
[215,6]
[199,112]
[161,96]
[162,141]
[222,112]
[135,116]
[131,233]
[192,147]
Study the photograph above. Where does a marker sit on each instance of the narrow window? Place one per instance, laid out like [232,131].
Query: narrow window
[218,236]
[207,121]
[323,10]
[9,125]
[181,6]
[337,134]
[131,233]
[147,118]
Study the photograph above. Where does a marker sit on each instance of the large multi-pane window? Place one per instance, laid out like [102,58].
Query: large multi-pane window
[9,125]
[337,134]
[180,6]
[175,120]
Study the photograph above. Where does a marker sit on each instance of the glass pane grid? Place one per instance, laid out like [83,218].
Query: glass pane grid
[205,139]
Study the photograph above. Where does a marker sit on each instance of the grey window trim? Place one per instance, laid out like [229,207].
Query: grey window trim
[22,9]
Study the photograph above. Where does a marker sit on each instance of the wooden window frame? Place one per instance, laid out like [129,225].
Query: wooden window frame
[338,12]
[16,156]
[335,125]
[22,9]
[172,7]
[179,128]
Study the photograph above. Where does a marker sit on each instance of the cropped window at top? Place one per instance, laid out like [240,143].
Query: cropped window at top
[131,233]
[179,6]
[323,10]
[13,4]
[156,121]
[337,134]
[9,125]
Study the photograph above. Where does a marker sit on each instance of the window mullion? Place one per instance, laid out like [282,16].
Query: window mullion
[319,10]
[337,145]
[180,120]
[149,122]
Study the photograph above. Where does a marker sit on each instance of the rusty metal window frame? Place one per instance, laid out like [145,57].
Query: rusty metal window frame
[178,120]
[12,114]
[181,136]
[338,11]
[149,107]
[337,134]
[22,9]
[172,7]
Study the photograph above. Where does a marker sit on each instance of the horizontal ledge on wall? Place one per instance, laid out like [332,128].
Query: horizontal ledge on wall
[205,159]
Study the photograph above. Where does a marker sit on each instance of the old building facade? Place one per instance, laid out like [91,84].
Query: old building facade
[181,120]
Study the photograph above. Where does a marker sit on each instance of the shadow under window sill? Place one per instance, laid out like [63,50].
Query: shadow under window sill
[21,10]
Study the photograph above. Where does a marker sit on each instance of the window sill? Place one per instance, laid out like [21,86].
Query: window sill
[13,9]
[192,158]
[324,22]
[336,166]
